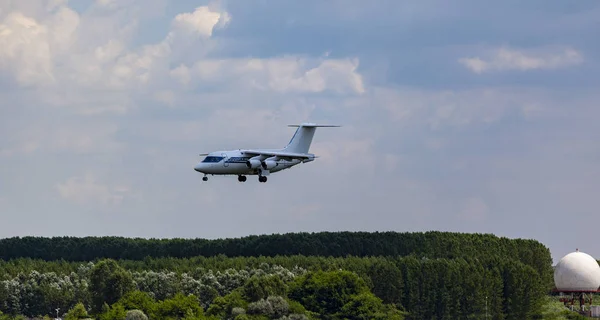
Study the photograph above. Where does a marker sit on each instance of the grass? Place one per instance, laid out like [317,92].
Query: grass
[555,310]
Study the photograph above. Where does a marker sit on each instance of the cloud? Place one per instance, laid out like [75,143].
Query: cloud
[61,47]
[29,46]
[202,21]
[335,75]
[87,190]
[504,59]
[76,66]
[289,74]
[24,49]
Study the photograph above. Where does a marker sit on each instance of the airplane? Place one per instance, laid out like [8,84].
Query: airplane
[261,162]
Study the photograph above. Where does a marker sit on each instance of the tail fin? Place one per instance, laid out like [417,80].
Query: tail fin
[300,142]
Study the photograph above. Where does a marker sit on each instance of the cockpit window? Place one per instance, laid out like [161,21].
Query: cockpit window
[212,159]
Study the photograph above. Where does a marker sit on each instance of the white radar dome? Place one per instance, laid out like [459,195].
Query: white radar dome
[577,271]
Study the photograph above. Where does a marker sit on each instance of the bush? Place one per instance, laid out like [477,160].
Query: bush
[77,312]
[260,307]
[136,315]
[279,306]
[237,311]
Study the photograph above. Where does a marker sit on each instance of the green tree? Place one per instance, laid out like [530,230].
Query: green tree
[326,292]
[109,282]
[387,281]
[77,312]
[137,300]
[116,312]
[366,306]
[223,306]
[178,307]
[260,287]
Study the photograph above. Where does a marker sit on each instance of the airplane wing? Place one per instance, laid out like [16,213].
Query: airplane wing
[282,154]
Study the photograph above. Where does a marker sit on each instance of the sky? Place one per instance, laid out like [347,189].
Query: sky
[466,117]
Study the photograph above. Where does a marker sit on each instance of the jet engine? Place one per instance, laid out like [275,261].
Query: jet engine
[253,163]
[269,163]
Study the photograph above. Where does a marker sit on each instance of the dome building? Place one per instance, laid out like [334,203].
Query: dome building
[577,272]
[576,277]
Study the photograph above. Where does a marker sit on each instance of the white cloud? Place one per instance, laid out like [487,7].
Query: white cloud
[34,8]
[87,190]
[335,75]
[24,49]
[94,70]
[288,74]
[202,21]
[505,58]
[29,46]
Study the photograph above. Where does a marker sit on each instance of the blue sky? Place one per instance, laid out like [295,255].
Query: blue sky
[470,117]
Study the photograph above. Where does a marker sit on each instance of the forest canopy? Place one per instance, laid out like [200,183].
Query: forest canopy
[384,275]
[336,244]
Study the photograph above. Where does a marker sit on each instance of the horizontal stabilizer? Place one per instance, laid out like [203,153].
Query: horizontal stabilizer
[314,125]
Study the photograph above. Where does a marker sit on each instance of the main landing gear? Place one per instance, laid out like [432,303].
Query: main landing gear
[241,178]
[260,178]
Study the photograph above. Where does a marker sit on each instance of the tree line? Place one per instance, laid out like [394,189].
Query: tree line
[107,291]
[423,288]
[336,244]
[432,275]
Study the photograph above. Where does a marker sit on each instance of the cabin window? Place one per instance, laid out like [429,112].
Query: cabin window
[212,159]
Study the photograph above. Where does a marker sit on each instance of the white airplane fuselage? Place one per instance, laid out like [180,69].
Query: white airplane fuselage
[235,162]
[261,162]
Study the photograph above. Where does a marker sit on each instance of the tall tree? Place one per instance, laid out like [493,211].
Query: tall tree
[108,283]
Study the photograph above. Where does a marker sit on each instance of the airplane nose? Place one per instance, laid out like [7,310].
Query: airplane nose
[199,167]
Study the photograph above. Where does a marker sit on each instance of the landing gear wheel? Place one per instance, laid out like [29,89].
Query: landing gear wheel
[205,178]
[262,178]
[242,178]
